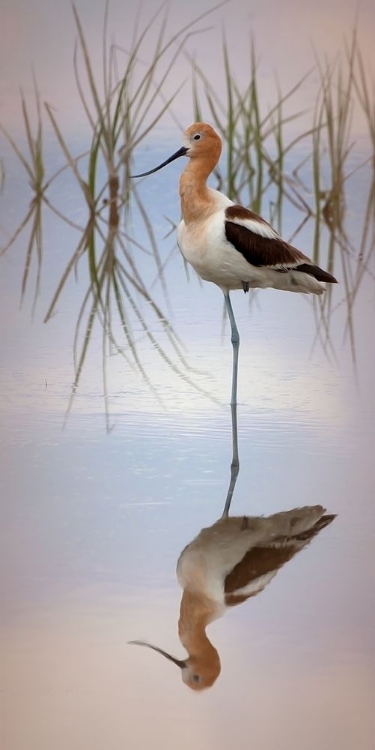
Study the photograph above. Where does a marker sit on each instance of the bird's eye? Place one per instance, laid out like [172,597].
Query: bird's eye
[196,137]
[196,678]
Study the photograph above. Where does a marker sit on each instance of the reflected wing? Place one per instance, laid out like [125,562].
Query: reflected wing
[261,246]
[260,564]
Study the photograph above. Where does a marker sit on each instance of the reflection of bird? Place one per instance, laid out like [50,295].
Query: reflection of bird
[228,244]
[226,564]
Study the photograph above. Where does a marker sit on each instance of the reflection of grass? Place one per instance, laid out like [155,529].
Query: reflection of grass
[122,109]
[111,298]
[2,175]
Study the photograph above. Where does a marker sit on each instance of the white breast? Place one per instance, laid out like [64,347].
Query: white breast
[204,245]
[198,241]
[206,561]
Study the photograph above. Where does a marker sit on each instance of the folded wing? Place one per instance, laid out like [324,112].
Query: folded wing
[261,246]
[261,563]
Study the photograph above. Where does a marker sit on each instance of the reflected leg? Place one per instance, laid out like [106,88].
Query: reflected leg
[235,465]
[235,339]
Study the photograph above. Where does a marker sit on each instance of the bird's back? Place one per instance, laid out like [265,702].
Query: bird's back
[238,556]
[262,561]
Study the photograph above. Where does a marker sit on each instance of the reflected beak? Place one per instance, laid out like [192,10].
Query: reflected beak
[180,662]
[181,152]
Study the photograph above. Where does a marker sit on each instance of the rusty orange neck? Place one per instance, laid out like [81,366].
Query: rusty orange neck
[196,611]
[196,202]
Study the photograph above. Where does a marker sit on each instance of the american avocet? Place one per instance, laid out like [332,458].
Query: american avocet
[229,244]
[226,564]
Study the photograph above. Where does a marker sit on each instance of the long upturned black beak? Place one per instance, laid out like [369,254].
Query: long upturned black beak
[180,662]
[181,152]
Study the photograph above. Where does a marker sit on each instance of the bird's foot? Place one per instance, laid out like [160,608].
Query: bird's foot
[245,286]
[244,524]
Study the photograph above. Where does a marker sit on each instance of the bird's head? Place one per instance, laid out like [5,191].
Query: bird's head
[198,672]
[199,141]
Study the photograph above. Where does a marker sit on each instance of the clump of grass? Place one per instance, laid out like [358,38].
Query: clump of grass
[343,84]
[365,93]
[364,89]
[255,140]
[257,151]
[33,162]
[119,121]
[332,138]
[121,109]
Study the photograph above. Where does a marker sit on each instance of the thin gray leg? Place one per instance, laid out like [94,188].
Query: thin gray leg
[235,339]
[235,465]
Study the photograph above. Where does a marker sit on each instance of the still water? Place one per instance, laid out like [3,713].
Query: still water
[94,519]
